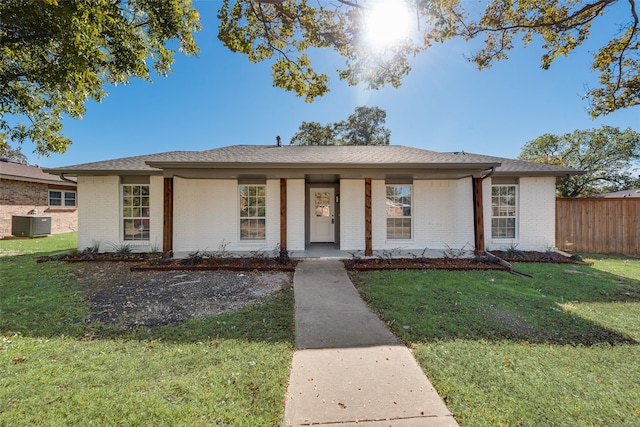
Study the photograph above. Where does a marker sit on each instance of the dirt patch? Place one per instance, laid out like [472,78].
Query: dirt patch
[127,299]
[518,326]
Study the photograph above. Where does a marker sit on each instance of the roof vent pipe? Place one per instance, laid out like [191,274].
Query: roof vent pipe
[278,141]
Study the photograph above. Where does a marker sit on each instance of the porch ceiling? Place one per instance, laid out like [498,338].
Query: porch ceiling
[324,178]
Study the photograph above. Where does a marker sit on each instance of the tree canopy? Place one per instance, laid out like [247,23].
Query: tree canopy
[607,155]
[313,133]
[364,127]
[57,54]
[13,154]
[284,31]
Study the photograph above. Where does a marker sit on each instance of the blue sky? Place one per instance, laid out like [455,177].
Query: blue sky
[445,104]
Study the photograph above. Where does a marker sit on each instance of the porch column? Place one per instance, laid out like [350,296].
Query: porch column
[167,218]
[368,234]
[283,213]
[478,215]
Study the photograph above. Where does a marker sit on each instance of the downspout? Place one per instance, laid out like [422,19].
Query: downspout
[496,259]
[64,178]
[492,169]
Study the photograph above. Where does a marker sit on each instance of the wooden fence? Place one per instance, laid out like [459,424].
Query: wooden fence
[599,225]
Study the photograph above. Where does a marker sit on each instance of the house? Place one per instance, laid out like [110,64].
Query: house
[26,189]
[633,193]
[367,198]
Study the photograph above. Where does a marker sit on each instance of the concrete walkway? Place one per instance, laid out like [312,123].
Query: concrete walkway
[349,369]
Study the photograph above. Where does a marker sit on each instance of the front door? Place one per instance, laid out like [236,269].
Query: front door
[322,217]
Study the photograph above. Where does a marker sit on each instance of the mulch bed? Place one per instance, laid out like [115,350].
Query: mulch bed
[154,262]
[452,264]
[533,256]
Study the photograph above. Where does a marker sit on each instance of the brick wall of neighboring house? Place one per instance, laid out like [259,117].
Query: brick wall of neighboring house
[22,197]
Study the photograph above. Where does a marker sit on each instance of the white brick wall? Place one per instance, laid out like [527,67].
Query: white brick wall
[99,211]
[100,219]
[442,215]
[156,184]
[295,214]
[352,214]
[537,220]
[206,215]
[273,219]
[486,213]
[536,213]
[379,218]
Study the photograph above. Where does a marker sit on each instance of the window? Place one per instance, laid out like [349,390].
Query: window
[398,211]
[503,212]
[135,212]
[252,212]
[62,199]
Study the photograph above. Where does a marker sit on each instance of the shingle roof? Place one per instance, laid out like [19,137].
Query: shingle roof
[633,193]
[318,155]
[124,164]
[303,156]
[513,166]
[20,172]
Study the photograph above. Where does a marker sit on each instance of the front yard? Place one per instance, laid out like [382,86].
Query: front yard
[560,349]
[57,369]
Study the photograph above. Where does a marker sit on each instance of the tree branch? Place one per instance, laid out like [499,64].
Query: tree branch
[593,9]
[624,49]
[268,37]
[349,3]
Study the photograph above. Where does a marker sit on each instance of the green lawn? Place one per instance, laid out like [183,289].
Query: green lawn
[230,369]
[560,349]
[39,245]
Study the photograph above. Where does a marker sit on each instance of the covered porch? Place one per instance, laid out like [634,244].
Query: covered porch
[332,251]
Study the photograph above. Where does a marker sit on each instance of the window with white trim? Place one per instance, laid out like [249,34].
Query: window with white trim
[136,212]
[503,211]
[62,199]
[398,212]
[253,222]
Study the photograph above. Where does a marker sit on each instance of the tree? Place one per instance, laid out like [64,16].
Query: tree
[55,55]
[313,133]
[287,29]
[363,127]
[15,155]
[607,155]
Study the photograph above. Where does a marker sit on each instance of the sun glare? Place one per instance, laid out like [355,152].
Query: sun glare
[387,22]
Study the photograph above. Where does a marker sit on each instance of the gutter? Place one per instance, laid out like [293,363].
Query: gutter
[495,258]
[64,178]
[492,169]
[315,165]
